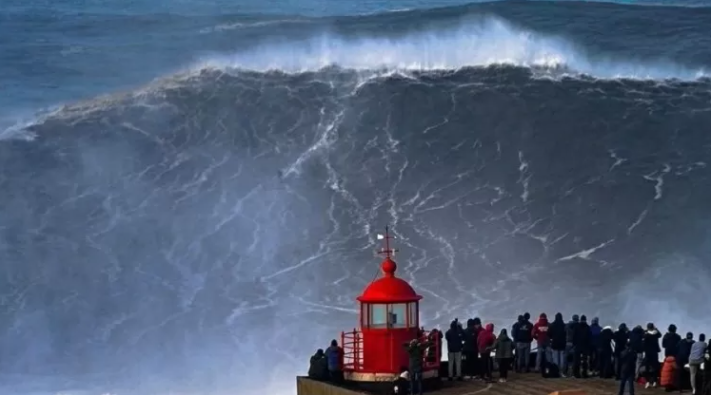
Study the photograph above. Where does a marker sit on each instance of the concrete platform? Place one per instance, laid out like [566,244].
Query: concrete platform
[521,384]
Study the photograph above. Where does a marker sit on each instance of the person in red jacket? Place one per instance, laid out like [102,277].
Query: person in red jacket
[485,344]
[540,334]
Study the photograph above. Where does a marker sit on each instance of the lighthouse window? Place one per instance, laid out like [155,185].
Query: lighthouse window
[398,315]
[414,315]
[378,316]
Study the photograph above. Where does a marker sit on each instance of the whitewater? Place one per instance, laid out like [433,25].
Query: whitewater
[189,195]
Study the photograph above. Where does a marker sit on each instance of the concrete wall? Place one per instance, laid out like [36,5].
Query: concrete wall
[306,386]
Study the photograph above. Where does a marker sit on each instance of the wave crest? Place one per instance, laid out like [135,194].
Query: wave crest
[487,42]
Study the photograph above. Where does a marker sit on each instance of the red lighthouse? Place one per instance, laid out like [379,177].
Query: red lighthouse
[389,319]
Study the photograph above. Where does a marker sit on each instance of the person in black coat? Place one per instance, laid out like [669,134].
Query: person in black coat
[651,354]
[620,338]
[455,344]
[318,366]
[670,341]
[637,344]
[556,335]
[604,352]
[582,341]
[470,352]
[628,370]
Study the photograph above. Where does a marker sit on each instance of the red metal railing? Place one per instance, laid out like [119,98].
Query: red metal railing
[352,344]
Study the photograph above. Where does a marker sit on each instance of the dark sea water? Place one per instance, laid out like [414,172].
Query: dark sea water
[190,191]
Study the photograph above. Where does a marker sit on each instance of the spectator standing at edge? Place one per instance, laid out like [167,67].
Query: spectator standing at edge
[557,335]
[604,352]
[670,341]
[628,370]
[540,334]
[416,352]
[523,346]
[621,337]
[504,353]
[682,358]
[651,355]
[570,329]
[637,344]
[334,354]
[318,366]
[582,341]
[514,334]
[595,330]
[469,350]
[696,358]
[454,349]
[486,341]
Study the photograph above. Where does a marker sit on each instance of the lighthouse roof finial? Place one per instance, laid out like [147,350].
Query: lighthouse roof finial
[388,266]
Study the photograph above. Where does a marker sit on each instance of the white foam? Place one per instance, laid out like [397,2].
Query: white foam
[485,42]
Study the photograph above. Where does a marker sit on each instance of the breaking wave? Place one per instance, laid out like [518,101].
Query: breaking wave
[490,42]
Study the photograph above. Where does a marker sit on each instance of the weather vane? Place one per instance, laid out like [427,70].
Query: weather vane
[387,250]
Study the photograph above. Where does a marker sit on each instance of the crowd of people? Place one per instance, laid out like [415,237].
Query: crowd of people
[576,349]
[573,349]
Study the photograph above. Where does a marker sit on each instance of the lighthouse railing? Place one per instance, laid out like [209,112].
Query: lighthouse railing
[352,343]
[432,355]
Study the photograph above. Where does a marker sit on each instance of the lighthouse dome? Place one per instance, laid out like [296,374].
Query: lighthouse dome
[389,289]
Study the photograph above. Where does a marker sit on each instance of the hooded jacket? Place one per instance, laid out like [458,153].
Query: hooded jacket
[504,346]
[540,331]
[470,334]
[486,340]
[605,343]
[595,330]
[318,366]
[670,342]
[651,342]
[628,358]
[637,339]
[582,338]
[525,332]
[684,351]
[570,329]
[454,337]
[620,338]
[334,354]
[514,328]
[557,333]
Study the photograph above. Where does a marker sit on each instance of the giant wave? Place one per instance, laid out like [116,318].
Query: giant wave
[206,233]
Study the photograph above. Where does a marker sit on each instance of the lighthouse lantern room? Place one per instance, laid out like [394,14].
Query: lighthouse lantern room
[389,319]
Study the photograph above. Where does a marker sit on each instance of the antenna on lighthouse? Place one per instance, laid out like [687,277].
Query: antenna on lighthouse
[387,251]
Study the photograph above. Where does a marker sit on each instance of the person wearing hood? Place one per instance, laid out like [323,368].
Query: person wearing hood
[595,330]
[557,336]
[540,334]
[485,343]
[318,366]
[416,352]
[637,344]
[604,352]
[582,342]
[670,341]
[620,337]
[504,354]
[570,329]
[455,344]
[469,349]
[523,344]
[683,353]
[696,359]
[334,354]
[651,355]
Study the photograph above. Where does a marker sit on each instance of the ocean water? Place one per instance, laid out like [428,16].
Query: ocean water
[190,191]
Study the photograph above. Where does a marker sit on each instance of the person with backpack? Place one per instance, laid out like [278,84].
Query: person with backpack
[334,354]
